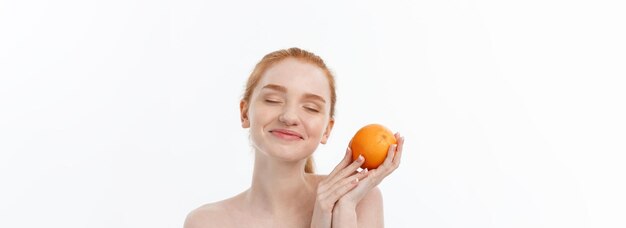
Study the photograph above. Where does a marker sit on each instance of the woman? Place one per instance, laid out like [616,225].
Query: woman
[288,107]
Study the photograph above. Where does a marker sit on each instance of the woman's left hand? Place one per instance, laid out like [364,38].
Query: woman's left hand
[374,176]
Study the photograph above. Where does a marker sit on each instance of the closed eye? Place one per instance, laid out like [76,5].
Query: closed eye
[272,101]
[311,109]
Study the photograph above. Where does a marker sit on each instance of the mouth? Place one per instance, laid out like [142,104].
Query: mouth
[286,134]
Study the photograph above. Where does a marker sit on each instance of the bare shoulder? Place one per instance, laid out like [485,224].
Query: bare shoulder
[205,216]
[217,214]
[374,198]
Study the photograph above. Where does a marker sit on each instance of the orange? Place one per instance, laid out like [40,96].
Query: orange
[372,141]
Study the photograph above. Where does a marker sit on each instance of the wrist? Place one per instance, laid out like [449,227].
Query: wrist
[344,214]
[345,205]
[323,209]
[322,216]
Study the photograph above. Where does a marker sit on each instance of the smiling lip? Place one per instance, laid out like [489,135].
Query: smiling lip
[286,134]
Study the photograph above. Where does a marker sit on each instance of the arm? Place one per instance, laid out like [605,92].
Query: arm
[341,180]
[367,213]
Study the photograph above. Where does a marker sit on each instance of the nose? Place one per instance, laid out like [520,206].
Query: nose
[289,116]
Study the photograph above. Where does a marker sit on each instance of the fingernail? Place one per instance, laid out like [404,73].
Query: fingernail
[360,158]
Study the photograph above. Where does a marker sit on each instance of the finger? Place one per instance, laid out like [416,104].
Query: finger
[352,178]
[390,154]
[338,190]
[361,175]
[347,171]
[364,177]
[352,168]
[398,155]
[364,186]
[387,166]
[327,182]
[345,185]
[344,162]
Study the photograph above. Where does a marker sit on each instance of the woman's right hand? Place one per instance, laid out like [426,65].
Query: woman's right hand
[340,181]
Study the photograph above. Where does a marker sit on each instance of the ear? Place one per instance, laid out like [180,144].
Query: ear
[329,128]
[243,109]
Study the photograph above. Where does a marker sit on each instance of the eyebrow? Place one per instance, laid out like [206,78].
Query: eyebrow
[275,87]
[284,90]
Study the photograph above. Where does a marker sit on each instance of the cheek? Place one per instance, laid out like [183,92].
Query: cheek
[259,113]
[317,127]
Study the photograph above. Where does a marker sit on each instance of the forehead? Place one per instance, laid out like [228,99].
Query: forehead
[297,76]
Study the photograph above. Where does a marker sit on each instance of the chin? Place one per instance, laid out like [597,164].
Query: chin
[288,153]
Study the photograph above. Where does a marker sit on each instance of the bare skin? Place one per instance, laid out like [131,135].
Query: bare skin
[288,117]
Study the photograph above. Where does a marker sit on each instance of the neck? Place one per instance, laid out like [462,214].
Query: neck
[279,186]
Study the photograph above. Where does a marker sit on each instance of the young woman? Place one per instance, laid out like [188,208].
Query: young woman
[288,107]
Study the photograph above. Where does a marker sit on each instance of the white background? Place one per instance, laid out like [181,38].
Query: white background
[125,113]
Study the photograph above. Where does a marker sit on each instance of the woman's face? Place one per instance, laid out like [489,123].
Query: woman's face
[289,111]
